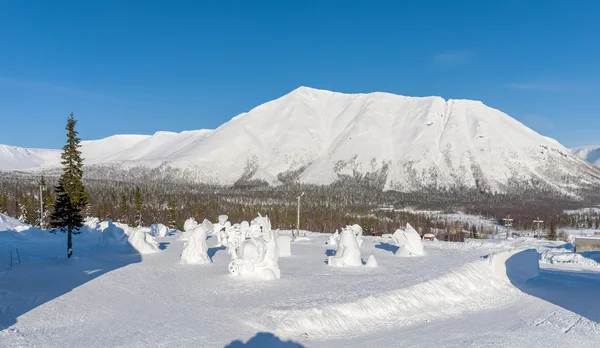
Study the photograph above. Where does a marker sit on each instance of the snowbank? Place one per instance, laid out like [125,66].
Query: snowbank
[9,224]
[141,241]
[567,258]
[112,234]
[475,286]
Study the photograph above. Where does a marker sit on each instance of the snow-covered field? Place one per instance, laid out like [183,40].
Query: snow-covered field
[456,295]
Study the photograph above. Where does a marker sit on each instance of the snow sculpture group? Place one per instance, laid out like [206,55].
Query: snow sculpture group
[254,248]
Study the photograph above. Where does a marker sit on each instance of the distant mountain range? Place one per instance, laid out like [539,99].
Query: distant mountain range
[588,153]
[319,137]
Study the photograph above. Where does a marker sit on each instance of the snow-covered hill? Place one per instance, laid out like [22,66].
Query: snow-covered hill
[588,153]
[317,136]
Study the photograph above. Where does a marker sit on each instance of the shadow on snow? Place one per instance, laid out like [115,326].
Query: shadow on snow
[575,291]
[388,247]
[264,340]
[43,276]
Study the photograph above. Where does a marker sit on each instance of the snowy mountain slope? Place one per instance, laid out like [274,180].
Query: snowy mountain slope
[588,153]
[318,137]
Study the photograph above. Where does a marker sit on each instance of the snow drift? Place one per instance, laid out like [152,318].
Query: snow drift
[474,286]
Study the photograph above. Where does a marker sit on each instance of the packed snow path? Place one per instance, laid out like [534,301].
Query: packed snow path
[110,296]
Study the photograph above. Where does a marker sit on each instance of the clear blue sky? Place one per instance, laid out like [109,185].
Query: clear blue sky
[144,66]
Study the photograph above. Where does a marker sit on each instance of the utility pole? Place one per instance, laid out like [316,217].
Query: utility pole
[41,207]
[298,217]
[508,224]
[537,222]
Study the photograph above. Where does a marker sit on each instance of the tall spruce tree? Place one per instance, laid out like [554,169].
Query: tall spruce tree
[65,217]
[552,234]
[123,210]
[137,205]
[71,198]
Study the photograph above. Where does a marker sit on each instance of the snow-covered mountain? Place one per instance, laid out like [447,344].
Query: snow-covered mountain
[588,153]
[317,136]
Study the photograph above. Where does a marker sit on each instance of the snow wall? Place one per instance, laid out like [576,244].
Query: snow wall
[478,285]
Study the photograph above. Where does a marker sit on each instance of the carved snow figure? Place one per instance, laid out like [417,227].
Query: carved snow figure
[257,257]
[372,262]
[358,232]
[348,253]
[143,242]
[189,224]
[158,230]
[334,238]
[112,234]
[409,242]
[221,230]
[195,250]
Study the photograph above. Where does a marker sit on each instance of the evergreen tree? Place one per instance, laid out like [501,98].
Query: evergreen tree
[474,233]
[123,209]
[71,198]
[23,216]
[552,234]
[137,206]
[4,204]
[72,176]
[66,217]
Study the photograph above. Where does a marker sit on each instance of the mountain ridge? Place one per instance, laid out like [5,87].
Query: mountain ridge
[319,137]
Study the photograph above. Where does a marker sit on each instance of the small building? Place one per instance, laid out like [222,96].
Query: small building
[583,244]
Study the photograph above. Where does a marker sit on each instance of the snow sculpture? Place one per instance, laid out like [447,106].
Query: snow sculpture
[358,232]
[257,257]
[348,253]
[189,224]
[409,242]
[112,234]
[158,230]
[372,262]
[195,250]
[284,244]
[143,242]
[334,238]
[220,229]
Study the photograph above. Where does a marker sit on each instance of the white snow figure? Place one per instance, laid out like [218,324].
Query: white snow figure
[409,242]
[143,242]
[257,257]
[189,224]
[220,229]
[348,253]
[358,232]
[158,230]
[195,250]
[334,238]
[112,234]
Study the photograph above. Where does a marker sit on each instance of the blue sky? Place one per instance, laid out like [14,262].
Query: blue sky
[144,66]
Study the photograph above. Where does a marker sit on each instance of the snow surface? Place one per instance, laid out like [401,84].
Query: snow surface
[317,136]
[472,294]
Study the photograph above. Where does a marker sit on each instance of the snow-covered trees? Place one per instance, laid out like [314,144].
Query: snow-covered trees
[137,206]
